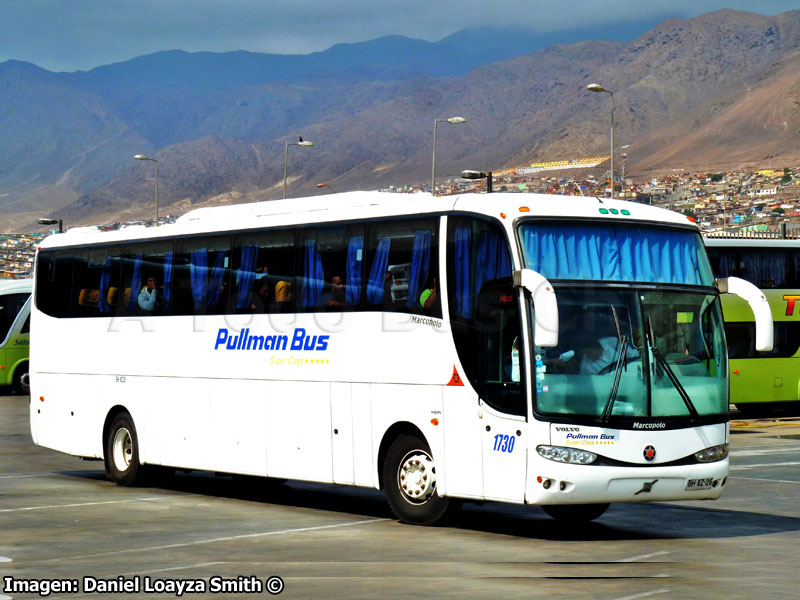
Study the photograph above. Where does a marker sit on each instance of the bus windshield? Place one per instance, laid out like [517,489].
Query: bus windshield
[634,353]
[635,345]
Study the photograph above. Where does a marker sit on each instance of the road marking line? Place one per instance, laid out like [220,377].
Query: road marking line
[9,510]
[767,480]
[24,476]
[205,564]
[780,464]
[4,559]
[762,451]
[214,540]
[644,594]
[642,556]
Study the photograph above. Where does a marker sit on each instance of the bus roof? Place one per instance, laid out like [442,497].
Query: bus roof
[750,243]
[9,286]
[507,207]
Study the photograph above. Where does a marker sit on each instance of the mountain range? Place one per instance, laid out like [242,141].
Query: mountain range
[719,91]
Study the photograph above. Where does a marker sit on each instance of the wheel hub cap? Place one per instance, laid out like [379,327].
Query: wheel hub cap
[417,477]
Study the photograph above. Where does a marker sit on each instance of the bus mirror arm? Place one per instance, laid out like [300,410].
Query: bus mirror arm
[758,304]
[545,305]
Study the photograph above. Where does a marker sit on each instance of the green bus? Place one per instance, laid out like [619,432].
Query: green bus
[15,319]
[761,380]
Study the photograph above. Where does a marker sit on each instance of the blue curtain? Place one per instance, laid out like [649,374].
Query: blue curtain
[616,253]
[463,297]
[765,270]
[377,274]
[246,275]
[420,259]
[215,279]
[198,272]
[105,279]
[492,260]
[136,283]
[312,276]
[167,279]
[355,262]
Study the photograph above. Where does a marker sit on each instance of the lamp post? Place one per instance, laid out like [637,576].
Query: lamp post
[325,185]
[300,142]
[452,121]
[143,157]
[479,175]
[58,222]
[596,87]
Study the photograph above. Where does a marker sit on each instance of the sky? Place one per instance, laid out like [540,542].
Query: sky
[70,35]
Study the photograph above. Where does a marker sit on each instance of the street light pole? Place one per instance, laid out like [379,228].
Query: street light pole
[286,159]
[596,87]
[143,157]
[59,222]
[452,121]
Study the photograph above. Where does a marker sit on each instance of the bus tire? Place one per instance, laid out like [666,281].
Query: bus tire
[22,380]
[579,513]
[122,452]
[409,480]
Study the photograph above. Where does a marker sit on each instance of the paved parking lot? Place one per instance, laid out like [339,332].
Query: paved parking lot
[60,519]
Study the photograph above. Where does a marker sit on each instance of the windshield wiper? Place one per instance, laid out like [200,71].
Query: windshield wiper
[612,396]
[670,373]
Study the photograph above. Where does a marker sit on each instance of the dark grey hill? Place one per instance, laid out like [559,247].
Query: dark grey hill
[218,122]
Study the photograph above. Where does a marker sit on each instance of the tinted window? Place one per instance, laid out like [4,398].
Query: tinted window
[263,272]
[402,266]
[767,268]
[741,340]
[202,276]
[10,305]
[143,265]
[54,282]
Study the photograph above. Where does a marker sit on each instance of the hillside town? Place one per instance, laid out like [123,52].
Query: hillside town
[764,203]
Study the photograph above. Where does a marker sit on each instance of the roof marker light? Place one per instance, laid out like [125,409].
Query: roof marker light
[434,422]
[503,215]
[614,211]
[625,211]
[603,211]
[692,219]
[524,209]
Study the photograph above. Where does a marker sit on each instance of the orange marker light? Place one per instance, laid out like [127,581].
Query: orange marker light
[502,215]
[41,398]
[434,422]
[692,219]
[524,209]
[736,371]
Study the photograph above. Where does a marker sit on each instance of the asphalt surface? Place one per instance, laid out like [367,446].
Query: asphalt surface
[61,520]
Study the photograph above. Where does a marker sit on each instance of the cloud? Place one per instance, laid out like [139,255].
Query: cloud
[81,34]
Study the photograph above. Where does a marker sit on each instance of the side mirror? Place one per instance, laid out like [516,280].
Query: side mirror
[765,332]
[545,305]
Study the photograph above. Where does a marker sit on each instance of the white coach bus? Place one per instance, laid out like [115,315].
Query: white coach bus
[563,352]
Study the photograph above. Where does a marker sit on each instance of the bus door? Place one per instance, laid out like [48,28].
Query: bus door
[502,408]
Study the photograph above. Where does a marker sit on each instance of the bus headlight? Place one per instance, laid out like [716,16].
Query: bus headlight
[573,456]
[712,454]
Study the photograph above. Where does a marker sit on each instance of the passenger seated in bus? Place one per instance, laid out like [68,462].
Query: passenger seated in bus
[259,300]
[283,296]
[335,297]
[149,298]
[430,294]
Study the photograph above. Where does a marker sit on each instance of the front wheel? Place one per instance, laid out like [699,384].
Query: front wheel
[578,513]
[122,452]
[409,479]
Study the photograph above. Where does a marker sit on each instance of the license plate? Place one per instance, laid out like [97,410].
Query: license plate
[699,484]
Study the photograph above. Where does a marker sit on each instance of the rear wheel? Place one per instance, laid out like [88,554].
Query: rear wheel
[122,452]
[409,479]
[578,513]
